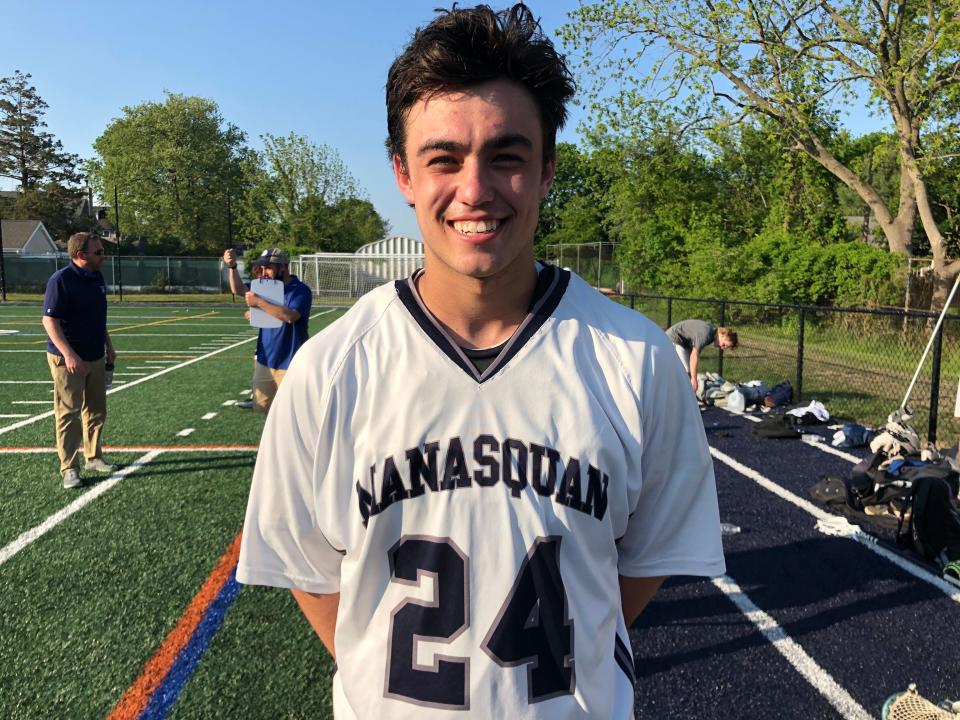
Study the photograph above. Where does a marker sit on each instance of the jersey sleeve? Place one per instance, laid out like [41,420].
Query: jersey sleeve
[284,543]
[674,526]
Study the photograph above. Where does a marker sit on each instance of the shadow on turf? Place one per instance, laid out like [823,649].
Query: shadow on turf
[179,466]
[782,582]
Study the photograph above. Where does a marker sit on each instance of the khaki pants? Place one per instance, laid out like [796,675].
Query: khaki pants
[80,408]
[265,383]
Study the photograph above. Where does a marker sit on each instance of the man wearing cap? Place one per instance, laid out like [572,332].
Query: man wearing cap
[275,346]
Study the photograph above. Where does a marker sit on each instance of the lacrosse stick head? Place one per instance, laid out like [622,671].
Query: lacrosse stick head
[910,705]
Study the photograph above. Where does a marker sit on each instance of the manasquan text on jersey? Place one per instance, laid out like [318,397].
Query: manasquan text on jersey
[475,523]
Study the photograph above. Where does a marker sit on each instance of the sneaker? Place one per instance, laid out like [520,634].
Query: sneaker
[245,404]
[71,479]
[98,465]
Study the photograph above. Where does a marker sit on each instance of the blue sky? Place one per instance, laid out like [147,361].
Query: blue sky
[313,68]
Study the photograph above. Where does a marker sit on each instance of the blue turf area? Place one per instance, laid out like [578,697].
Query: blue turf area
[869,626]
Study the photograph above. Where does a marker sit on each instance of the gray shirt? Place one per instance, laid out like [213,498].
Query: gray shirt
[690,334]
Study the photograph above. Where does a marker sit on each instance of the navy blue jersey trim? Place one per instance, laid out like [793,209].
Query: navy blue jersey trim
[624,658]
[407,291]
[551,285]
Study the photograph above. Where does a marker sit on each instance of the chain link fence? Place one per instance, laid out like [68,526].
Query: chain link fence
[594,262]
[137,273]
[857,362]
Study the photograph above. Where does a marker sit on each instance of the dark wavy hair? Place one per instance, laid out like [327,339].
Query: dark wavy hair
[466,47]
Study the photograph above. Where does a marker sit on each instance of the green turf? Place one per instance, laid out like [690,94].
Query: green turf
[264,663]
[87,604]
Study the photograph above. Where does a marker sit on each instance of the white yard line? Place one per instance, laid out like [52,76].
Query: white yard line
[831,524]
[209,416]
[161,362]
[29,402]
[26,382]
[121,374]
[16,415]
[228,403]
[794,654]
[92,494]
[829,449]
[185,432]
[134,383]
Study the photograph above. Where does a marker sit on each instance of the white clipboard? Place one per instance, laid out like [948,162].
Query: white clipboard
[272,292]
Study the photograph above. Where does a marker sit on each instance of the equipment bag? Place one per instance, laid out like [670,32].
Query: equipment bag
[777,426]
[934,522]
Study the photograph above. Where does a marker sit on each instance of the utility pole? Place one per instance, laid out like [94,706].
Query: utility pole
[233,297]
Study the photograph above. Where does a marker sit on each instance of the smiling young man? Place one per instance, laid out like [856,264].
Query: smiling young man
[78,345]
[477,477]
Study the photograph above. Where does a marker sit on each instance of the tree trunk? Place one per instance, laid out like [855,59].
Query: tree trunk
[944,272]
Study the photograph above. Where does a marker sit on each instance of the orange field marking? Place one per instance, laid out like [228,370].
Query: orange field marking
[137,696]
[140,448]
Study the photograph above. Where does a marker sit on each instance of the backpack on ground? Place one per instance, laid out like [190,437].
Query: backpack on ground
[780,394]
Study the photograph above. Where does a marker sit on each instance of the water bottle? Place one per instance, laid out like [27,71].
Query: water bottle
[108,375]
[729,529]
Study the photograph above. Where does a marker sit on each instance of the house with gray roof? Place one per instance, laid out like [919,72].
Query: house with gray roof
[27,237]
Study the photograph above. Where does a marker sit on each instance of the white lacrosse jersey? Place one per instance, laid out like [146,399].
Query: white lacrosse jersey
[475,523]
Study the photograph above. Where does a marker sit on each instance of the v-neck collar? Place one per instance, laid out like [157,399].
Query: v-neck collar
[551,285]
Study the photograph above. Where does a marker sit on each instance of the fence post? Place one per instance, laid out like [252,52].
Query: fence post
[723,321]
[3,273]
[935,385]
[669,311]
[800,326]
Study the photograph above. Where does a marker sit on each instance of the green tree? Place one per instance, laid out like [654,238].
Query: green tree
[173,164]
[573,211]
[28,153]
[351,223]
[302,197]
[797,64]
[47,177]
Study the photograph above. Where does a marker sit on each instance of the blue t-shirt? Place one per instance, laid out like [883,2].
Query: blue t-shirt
[78,298]
[276,346]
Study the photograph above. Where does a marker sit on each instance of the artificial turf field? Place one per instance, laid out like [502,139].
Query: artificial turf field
[86,605]
[117,599]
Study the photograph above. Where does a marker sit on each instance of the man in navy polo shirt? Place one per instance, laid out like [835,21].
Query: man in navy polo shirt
[275,346]
[75,320]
